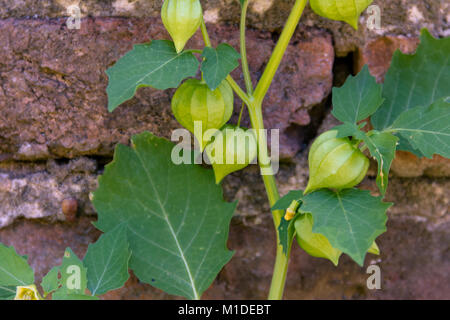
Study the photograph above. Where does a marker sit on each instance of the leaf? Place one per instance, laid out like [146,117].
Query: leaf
[14,269]
[156,64]
[285,202]
[358,98]
[60,295]
[51,281]
[218,64]
[286,229]
[382,146]
[73,274]
[107,261]
[349,130]
[176,217]
[427,128]
[415,80]
[286,233]
[351,219]
[7,292]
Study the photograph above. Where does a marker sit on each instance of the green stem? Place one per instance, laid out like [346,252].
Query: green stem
[240,114]
[205,35]
[256,118]
[282,259]
[194,51]
[277,55]
[244,61]
[237,89]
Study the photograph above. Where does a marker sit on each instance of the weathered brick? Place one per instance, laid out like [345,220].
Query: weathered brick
[53,86]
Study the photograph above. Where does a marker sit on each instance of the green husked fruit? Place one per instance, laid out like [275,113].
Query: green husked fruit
[341,10]
[315,244]
[194,101]
[233,149]
[335,163]
[181,18]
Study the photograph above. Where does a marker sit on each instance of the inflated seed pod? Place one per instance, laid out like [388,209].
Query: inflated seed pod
[335,163]
[194,101]
[181,18]
[232,149]
[341,10]
[315,244]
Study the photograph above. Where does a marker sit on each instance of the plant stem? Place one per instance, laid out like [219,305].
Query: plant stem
[254,104]
[244,61]
[282,259]
[237,89]
[277,55]
[205,35]
[240,114]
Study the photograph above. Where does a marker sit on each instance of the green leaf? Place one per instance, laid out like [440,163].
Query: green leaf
[7,292]
[51,281]
[14,269]
[156,64]
[427,128]
[218,64]
[415,80]
[285,202]
[61,295]
[286,232]
[177,219]
[382,146]
[358,98]
[351,219]
[107,261]
[349,130]
[73,274]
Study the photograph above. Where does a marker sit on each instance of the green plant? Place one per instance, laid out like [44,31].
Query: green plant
[169,223]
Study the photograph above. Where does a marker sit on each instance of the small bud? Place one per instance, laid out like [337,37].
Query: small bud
[70,208]
[292,210]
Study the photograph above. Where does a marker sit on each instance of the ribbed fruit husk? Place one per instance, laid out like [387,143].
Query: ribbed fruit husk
[194,101]
[181,18]
[335,163]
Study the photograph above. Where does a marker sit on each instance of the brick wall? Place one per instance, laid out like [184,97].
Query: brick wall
[56,135]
